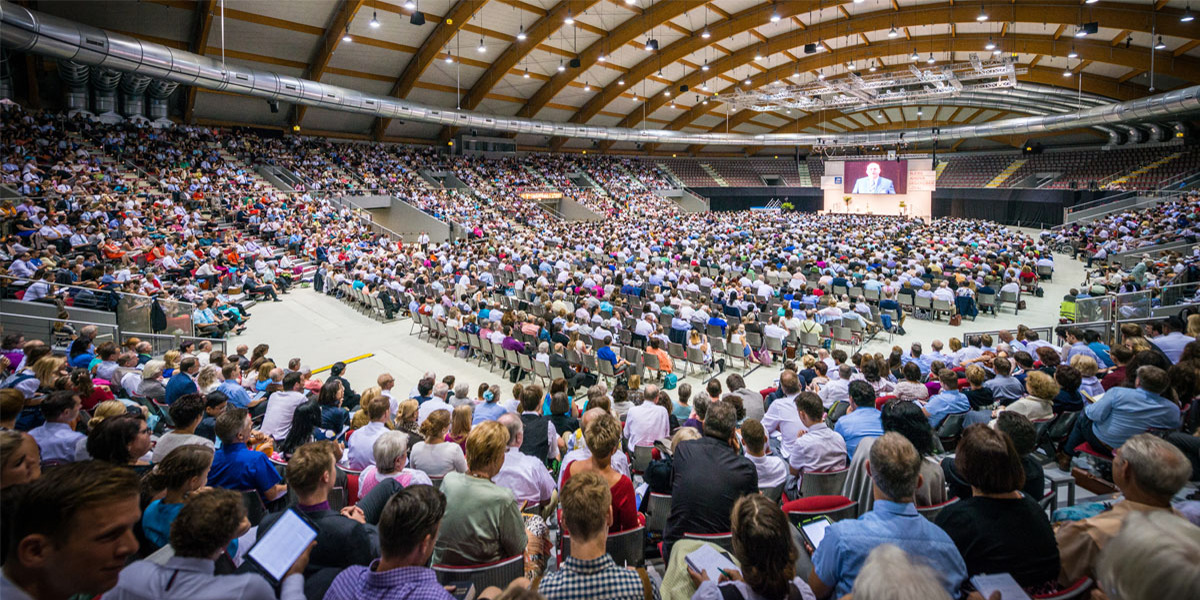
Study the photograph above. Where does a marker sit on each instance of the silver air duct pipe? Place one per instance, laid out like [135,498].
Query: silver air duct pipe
[1158,133]
[1136,134]
[76,77]
[1116,137]
[133,104]
[31,31]
[104,93]
[156,97]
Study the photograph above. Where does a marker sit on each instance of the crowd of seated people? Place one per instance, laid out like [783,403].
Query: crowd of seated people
[124,436]
[480,484]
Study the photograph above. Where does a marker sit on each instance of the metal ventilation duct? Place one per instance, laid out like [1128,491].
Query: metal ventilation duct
[133,88]
[31,31]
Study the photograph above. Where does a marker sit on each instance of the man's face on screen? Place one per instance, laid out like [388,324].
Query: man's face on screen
[873,170]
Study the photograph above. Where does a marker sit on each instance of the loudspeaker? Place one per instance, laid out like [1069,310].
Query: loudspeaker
[575,63]
[683,88]
[417,18]
[1091,28]
[810,48]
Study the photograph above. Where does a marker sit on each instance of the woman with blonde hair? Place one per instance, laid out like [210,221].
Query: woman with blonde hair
[460,425]
[170,363]
[434,455]
[208,379]
[1038,402]
[48,369]
[359,419]
[1087,368]
[1193,326]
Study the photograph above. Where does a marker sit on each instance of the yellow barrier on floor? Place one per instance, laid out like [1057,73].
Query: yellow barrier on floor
[347,361]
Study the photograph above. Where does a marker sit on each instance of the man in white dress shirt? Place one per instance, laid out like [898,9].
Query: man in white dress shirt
[837,390]
[281,407]
[524,475]
[781,421]
[360,452]
[647,422]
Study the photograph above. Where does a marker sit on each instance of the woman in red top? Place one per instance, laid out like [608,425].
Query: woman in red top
[603,437]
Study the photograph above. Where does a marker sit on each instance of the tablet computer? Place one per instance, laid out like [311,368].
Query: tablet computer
[282,544]
[813,530]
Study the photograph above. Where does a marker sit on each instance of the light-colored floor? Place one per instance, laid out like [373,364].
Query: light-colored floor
[321,329]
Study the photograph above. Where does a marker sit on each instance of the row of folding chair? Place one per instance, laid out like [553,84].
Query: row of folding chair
[365,304]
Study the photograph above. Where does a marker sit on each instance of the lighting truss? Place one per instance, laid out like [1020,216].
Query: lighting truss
[857,90]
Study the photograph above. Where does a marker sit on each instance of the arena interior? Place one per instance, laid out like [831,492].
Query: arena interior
[612,299]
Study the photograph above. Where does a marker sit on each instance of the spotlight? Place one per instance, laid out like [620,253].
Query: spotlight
[521,34]
[893,33]
[374,23]
[1160,45]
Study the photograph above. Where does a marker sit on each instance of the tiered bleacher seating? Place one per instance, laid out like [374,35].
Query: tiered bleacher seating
[690,172]
[973,171]
[1188,163]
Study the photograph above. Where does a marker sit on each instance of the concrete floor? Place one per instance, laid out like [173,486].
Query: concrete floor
[321,330]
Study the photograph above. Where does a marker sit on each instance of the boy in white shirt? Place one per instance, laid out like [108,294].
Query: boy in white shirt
[772,471]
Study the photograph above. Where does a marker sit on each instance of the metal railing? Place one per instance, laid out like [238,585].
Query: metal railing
[133,311]
[55,332]
[1044,333]
[163,343]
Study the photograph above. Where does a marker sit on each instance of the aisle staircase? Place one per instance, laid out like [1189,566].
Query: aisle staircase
[1009,170]
[803,176]
[714,174]
[941,166]
[1144,168]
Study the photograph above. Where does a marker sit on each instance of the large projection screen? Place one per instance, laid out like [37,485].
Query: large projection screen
[876,177]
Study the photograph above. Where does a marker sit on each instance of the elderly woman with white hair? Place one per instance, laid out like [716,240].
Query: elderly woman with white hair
[388,475]
[152,386]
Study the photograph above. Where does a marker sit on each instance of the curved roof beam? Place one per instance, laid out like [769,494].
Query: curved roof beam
[456,19]
[1133,17]
[339,22]
[542,29]
[624,33]
[1100,51]
[1092,84]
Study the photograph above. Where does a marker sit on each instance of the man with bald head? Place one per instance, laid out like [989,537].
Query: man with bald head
[524,475]
[620,462]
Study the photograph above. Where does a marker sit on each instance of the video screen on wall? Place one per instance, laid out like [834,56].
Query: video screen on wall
[875,177]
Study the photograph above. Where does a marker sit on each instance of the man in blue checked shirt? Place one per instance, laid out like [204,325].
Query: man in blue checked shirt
[408,529]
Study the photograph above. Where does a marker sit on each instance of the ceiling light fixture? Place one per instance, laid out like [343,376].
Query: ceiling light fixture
[873,67]
[630,2]
[449,59]
[374,20]
[996,52]
[561,66]
[570,20]
[931,60]
[747,81]
[1067,73]
[602,58]
[706,34]
[346,37]
[521,34]
[820,74]
[620,82]
[1160,45]
[587,87]
[481,49]
[1080,31]
[982,16]
[758,56]
[526,73]
[1090,1]
[914,56]
[1072,53]
[893,33]
[990,45]
[1187,17]
[775,17]
[410,5]
[704,67]
[651,45]
[920,112]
